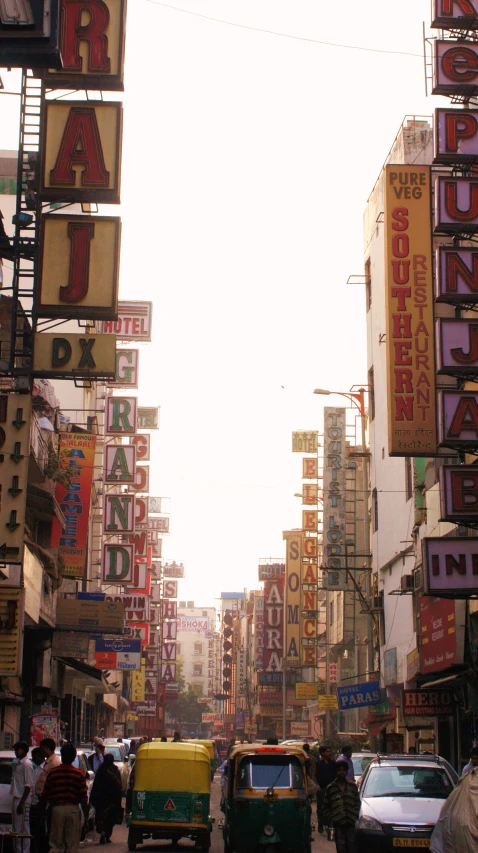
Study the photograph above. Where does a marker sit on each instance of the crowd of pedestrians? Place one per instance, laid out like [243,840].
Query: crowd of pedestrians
[50,797]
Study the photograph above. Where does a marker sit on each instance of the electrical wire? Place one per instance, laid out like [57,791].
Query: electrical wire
[283,35]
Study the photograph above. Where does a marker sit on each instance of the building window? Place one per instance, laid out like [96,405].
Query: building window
[197,669]
[198,648]
[408,477]
[374,510]
[368,284]
[371,395]
[204,613]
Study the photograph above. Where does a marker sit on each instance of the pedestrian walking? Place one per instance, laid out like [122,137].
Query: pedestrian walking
[324,774]
[20,788]
[52,759]
[65,790]
[37,824]
[341,808]
[346,756]
[473,762]
[95,760]
[105,797]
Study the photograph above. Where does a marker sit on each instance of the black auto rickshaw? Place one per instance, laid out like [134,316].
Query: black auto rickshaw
[266,802]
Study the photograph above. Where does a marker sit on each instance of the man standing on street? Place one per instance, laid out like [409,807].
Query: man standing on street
[324,774]
[65,790]
[473,762]
[341,808]
[95,760]
[347,757]
[48,746]
[21,786]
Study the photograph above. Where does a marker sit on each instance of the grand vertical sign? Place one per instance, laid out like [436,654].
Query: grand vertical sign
[409,307]
[334,513]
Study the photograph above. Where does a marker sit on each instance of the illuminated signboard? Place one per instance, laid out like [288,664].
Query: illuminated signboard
[119,464]
[456,204]
[456,275]
[293,596]
[121,415]
[456,134]
[127,362]
[92,37]
[148,418]
[310,468]
[334,512]
[450,567]
[29,34]
[455,14]
[273,624]
[143,450]
[305,442]
[133,322]
[141,480]
[79,266]
[455,67]
[458,418]
[81,151]
[409,309]
[459,493]
[74,356]
[117,563]
[118,513]
[457,347]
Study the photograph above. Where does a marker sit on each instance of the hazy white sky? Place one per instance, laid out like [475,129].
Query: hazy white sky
[247,162]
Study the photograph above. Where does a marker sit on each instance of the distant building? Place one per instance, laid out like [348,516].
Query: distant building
[196,646]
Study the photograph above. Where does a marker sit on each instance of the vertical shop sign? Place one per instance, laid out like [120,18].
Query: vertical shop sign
[120,464]
[273,624]
[241,672]
[259,630]
[118,513]
[409,308]
[293,598]
[76,457]
[455,14]
[334,513]
[15,423]
[438,634]
[117,563]
[121,415]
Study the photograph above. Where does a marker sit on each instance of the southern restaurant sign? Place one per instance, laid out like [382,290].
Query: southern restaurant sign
[409,308]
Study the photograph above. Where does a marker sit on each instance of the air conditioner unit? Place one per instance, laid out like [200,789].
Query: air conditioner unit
[377,601]
[407,583]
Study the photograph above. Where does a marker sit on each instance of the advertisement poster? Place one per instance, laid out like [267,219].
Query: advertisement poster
[76,458]
[437,634]
[44,725]
[118,654]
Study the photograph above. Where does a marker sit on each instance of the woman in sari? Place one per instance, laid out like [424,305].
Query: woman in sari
[106,798]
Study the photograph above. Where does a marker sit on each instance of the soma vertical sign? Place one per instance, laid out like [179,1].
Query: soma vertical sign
[293,595]
[409,306]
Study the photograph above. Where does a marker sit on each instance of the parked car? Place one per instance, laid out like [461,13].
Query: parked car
[402,796]
[113,741]
[6,761]
[360,761]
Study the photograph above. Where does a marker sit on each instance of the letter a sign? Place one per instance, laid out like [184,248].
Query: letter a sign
[81,151]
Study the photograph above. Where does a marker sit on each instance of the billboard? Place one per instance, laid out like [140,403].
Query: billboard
[273,624]
[438,634]
[334,511]
[293,598]
[434,702]
[104,617]
[409,309]
[192,623]
[77,459]
[118,654]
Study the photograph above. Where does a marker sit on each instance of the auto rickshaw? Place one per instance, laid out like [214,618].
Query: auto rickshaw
[266,804]
[170,794]
[211,748]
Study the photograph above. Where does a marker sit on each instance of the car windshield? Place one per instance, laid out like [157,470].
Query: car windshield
[360,763]
[270,773]
[408,781]
[115,752]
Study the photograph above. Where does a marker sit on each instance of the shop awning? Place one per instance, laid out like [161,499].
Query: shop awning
[90,672]
[458,678]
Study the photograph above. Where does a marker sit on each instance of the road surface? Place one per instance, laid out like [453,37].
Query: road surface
[120,835]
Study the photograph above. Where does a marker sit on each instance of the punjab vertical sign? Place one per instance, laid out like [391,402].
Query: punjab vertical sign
[409,307]
[77,453]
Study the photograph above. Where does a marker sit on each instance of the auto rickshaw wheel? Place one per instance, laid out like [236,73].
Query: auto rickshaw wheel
[132,840]
[204,843]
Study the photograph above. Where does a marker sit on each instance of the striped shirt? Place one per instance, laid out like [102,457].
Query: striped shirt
[341,808]
[64,785]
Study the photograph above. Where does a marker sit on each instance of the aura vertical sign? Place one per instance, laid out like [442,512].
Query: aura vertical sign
[335,558]
[409,307]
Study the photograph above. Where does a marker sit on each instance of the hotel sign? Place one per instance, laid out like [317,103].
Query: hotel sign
[134,322]
[74,356]
[81,151]
[121,415]
[79,266]
[92,37]
[305,442]
[450,567]
[409,307]
[118,563]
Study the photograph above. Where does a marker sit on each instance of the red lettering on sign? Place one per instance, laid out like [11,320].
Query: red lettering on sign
[460,64]
[462,357]
[81,146]
[451,201]
[464,490]
[459,126]
[447,7]
[73,32]
[455,268]
[465,418]
[81,236]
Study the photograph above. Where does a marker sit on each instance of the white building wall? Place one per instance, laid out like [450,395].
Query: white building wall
[194,649]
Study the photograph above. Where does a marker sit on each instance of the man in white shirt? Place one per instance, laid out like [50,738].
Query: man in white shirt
[21,786]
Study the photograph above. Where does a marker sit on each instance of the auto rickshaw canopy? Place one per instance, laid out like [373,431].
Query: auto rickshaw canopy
[172,767]
[209,744]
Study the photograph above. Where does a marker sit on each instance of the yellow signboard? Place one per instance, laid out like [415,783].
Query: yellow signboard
[292,597]
[79,267]
[66,355]
[105,617]
[305,442]
[304,690]
[137,685]
[81,151]
[328,702]
[409,308]
[15,418]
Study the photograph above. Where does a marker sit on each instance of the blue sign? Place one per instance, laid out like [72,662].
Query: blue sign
[359,695]
[119,646]
[91,596]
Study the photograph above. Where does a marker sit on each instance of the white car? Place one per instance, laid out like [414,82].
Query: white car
[6,761]
[401,798]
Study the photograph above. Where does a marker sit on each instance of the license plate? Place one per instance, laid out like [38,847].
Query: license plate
[411,842]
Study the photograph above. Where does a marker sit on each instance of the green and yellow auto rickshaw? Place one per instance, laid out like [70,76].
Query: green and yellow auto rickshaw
[170,794]
[266,806]
[211,748]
